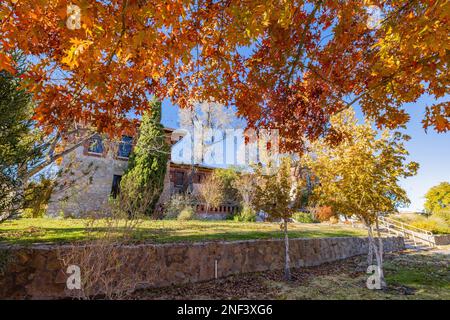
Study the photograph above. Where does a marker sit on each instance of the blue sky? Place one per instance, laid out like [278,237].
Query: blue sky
[431,150]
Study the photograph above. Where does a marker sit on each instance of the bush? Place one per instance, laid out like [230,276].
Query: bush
[29,213]
[37,196]
[443,214]
[434,223]
[436,226]
[246,215]
[334,220]
[304,217]
[176,204]
[186,214]
[324,213]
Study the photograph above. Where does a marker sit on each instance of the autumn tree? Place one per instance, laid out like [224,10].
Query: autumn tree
[246,184]
[211,192]
[437,201]
[361,175]
[276,195]
[288,65]
[147,164]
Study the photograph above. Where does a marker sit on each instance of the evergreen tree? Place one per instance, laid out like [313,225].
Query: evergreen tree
[144,179]
[20,142]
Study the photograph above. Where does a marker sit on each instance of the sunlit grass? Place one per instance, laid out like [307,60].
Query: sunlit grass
[27,231]
[421,275]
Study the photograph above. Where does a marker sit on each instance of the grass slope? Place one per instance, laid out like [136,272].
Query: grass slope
[27,231]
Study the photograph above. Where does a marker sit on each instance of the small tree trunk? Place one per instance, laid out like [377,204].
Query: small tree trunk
[380,253]
[287,270]
[378,258]
[370,249]
[380,240]
[370,253]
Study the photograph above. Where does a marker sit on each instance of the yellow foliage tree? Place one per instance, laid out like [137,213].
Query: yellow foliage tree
[276,195]
[361,175]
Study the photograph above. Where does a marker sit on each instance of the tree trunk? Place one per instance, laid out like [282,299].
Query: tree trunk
[380,240]
[370,249]
[378,259]
[287,270]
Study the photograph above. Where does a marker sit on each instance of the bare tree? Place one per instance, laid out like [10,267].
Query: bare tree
[211,192]
[246,184]
[201,120]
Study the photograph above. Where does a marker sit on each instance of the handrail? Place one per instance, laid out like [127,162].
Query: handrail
[403,224]
[393,225]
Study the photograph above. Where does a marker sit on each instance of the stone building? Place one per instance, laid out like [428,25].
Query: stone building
[91,174]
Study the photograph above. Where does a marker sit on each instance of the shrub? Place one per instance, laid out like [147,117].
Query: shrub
[247,214]
[436,226]
[227,178]
[324,213]
[37,196]
[186,214]
[176,204]
[434,223]
[334,220]
[29,213]
[443,214]
[304,217]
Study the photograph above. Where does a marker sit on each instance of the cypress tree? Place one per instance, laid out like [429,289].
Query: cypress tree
[144,179]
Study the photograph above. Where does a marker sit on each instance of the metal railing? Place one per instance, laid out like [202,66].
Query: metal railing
[407,231]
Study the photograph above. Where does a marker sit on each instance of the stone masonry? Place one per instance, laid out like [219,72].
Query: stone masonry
[85,183]
[37,272]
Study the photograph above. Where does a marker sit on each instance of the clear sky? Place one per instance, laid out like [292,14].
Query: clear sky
[431,150]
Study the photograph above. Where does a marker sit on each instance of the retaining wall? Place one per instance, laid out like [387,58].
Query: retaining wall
[38,272]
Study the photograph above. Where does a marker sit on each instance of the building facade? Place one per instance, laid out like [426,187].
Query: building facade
[91,175]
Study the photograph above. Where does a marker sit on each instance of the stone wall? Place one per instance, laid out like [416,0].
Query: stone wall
[85,183]
[442,240]
[37,272]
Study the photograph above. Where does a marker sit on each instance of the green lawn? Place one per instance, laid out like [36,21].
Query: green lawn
[27,231]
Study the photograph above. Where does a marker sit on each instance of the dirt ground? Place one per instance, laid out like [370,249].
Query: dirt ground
[410,275]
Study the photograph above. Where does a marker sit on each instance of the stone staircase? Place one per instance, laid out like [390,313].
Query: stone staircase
[415,238]
[409,245]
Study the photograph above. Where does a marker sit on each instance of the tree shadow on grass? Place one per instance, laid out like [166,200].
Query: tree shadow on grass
[156,235]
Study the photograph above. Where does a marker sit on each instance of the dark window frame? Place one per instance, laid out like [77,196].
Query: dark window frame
[125,146]
[177,175]
[95,145]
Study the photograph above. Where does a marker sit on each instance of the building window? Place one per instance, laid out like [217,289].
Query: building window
[115,189]
[125,147]
[200,177]
[96,145]
[179,179]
